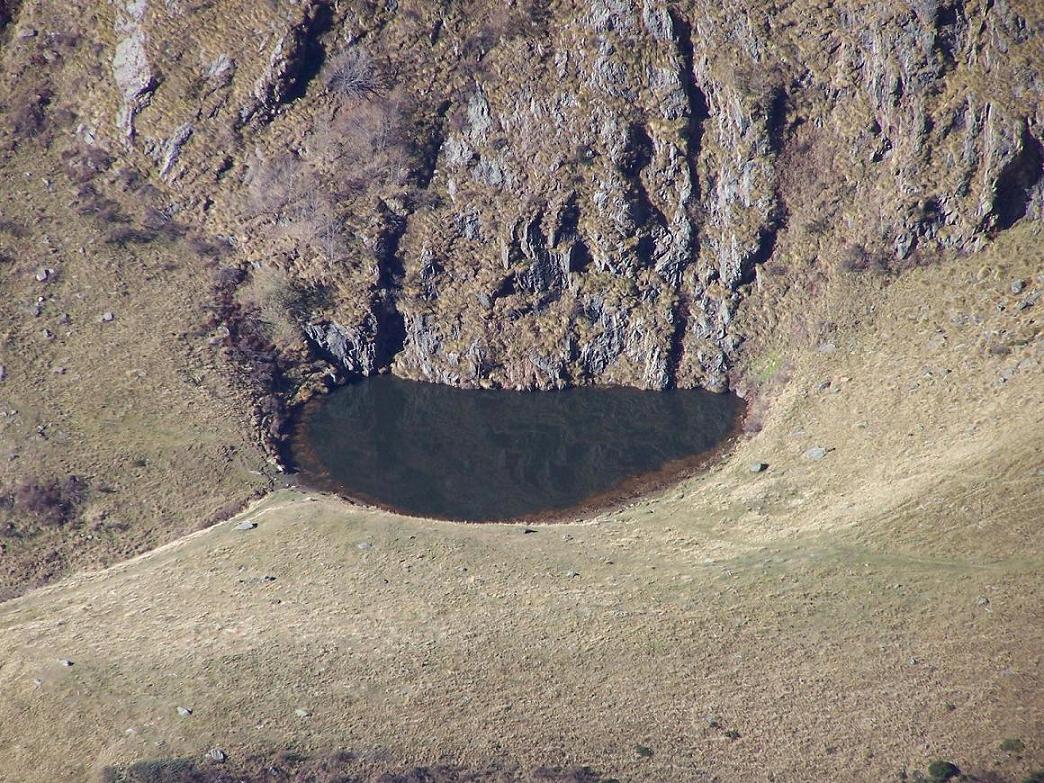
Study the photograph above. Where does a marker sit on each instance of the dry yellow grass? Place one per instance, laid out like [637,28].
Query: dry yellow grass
[849,617]
[141,406]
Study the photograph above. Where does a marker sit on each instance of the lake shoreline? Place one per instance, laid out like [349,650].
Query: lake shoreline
[308,472]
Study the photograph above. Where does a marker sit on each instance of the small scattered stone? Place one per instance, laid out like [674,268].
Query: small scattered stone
[758,467]
[3,372]
[43,274]
[184,712]
[220,335]
[816,453]
[364,545]
[28,32]
[108,316]
[1029,301]
[983,601]
[527,530]
[572,574]
[566,537]
[302,713]
[217,755]
[1017,286]
[65,662]
[246,524]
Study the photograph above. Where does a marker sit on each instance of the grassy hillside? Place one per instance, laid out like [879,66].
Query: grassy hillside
[849,618]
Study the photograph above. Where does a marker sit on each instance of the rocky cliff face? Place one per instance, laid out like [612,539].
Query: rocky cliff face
[540,194]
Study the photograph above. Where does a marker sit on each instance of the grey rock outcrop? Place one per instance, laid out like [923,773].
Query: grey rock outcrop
[172,149]
[352,347]
[596,192]
[130,63]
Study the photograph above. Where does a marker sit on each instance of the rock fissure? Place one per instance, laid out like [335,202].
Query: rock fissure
[295,61]
[1019,183]
[583,192]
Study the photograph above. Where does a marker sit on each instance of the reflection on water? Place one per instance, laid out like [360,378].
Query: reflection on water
[439,451]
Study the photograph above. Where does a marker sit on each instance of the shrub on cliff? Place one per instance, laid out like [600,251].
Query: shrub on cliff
[352,74]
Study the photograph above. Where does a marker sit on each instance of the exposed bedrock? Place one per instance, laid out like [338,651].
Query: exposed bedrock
[541,195]
[610,197]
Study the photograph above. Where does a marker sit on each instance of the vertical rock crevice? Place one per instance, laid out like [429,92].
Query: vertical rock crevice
[1018,183]
[391,267]
[698,110]
[390,324]
[295,61]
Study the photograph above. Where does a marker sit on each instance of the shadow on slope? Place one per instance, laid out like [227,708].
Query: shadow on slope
[338,767]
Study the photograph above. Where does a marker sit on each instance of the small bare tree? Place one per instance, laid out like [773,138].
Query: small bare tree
[300,203]
[359,147]
[352,75]
[276,185]
[318,223]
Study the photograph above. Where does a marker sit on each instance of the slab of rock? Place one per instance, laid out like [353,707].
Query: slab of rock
[758,467]
[172,148]
[184,712]
[246,524]
[217,755]
[816,453]
[130,63]
[353,347]
[65,662]
[1017,286]
[108,316]
[302,713]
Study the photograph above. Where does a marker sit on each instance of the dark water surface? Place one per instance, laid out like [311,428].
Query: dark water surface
[439,451]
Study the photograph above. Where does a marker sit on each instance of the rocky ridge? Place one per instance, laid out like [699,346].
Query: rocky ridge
[543,194]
